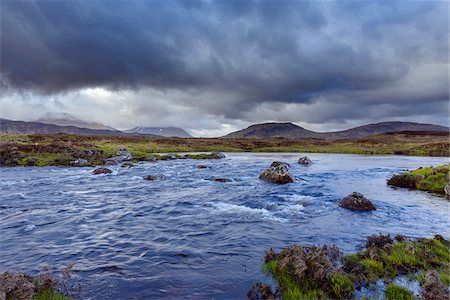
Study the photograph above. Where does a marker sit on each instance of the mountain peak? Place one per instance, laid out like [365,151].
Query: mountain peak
[162,131]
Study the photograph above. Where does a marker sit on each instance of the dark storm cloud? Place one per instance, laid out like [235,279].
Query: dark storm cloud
[236,55]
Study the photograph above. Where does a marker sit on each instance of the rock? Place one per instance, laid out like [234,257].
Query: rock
[433,289]
[101,171]
[379,241]
[151,159]
[218,155]
[121,156]
[356,201]
[127,164]
[447,188]
[304,160]
[169,156]
[151,177]
[277,173]
[222,180]
[201,167]
[260,291]
[79,162]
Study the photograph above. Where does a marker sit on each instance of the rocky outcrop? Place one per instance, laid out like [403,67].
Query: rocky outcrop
[356,201]
[101,171]
[151,159]
[277,173]
[304,160]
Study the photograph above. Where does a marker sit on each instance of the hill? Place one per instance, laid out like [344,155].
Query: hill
[161,131]
[295,132]
[22,127]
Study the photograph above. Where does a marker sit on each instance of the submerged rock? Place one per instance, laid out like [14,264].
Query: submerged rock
[201,167]
[278,172]
[222,180]
[101,171]
[151,177]
[433,289]
[260,291]
[356,201]
[304,160]
[127,164]
[218,155]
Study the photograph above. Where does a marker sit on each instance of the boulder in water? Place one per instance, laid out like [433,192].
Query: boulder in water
[127,164]
[151,177]
[222,180]
[151,159]
[277,173]
[201,167]
[304,160]
[218,155]
[101,171]
[356,201]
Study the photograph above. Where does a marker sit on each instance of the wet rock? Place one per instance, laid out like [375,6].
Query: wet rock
[201,167]
[79,162]
[222,180]
[16,286]
[277,173]
[260,291]
[101,171]
[270,255]
[304,160]
[433,289]
[127,164]
[151,177]
[379,241]
[403,181]
[356,201]
[121,156]
[218,155]
[151,159]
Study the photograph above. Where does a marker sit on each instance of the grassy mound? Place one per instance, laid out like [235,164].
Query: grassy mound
[321,273]
[424,179]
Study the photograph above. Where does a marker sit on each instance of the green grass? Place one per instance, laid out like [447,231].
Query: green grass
[395,292]
[432,179]
[49,294]
[385,261]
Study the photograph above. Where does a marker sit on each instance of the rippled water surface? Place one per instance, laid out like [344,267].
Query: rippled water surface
[186,236]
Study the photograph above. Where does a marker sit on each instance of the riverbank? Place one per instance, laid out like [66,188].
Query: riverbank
[432,179]
[62,149]
[385,268]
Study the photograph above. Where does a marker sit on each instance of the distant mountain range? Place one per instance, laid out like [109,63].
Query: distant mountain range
[161,131]
[295,132]
[66,119]
[22,127]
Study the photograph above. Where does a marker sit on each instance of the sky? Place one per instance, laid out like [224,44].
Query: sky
[212,67]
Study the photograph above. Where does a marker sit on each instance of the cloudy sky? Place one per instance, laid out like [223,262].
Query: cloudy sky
[215,66]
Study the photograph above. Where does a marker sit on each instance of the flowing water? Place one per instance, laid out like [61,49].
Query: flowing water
[186,236]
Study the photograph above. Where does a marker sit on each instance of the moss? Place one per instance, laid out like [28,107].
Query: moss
[445,278]
[49,294]
[432,179]
[395,292]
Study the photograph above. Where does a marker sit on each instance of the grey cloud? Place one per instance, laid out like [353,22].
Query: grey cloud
[230,58]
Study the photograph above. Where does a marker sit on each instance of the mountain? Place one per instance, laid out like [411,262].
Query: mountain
[295,132]
[273,130]
[22,127]
[161,131]
[66,119]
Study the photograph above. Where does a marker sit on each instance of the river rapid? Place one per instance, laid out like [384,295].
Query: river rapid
[188,237]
